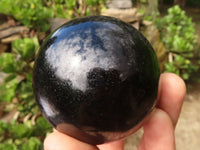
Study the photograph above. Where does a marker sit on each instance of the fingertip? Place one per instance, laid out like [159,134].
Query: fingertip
[172,91]
[173,83]
[48,144]
[60,141]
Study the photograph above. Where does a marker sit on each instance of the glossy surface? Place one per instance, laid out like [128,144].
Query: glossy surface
[96,78]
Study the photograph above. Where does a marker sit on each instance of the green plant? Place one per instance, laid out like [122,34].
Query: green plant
[76,8]
[23,136]
[178,35]
[17,93]
[36,13]
[18,65]
[31,13]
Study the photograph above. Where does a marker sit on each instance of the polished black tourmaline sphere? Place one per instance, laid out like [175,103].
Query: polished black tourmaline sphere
[96,78]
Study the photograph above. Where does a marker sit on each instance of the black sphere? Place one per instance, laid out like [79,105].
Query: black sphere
[96,78]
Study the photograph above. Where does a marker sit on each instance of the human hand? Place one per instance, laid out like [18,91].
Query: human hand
[158,129]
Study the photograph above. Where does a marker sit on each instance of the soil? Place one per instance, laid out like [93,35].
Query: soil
[188,128]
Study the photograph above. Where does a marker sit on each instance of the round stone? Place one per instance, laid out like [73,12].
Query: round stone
[96,78]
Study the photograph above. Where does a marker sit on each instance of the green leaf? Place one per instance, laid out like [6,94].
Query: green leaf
[8,89]
[8,63]
[3,127]
[20,131]
[170,67]
[8,146]
[179,37]
[10,77]
[32,144]
[31,13]
[25,91]
[93,2]
[26,47]
[5,7]
[29,76]
[185,76]
[42,127]
[70,4]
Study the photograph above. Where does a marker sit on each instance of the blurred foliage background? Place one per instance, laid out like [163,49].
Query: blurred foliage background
[26,129]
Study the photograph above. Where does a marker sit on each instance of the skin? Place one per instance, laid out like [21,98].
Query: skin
[158,129]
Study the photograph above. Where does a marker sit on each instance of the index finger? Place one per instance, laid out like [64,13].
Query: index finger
[171,95]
